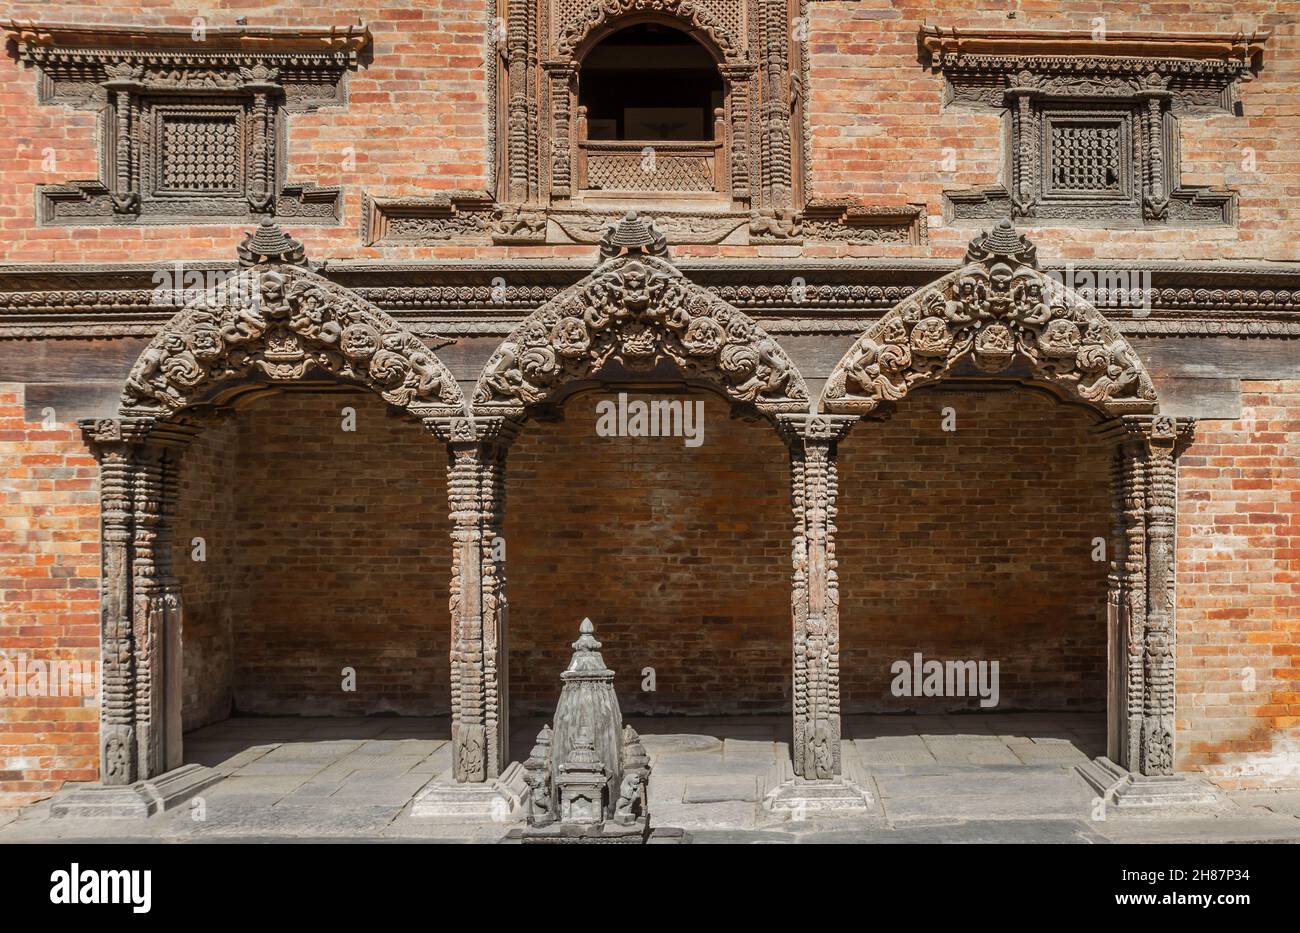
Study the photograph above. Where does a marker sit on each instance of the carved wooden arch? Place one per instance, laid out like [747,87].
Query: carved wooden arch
[998,314]
[604,17]
[278,323]
[638,310]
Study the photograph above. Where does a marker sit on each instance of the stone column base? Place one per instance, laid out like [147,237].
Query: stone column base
[845,793]
[134,801]
[1128,791]
[499,801]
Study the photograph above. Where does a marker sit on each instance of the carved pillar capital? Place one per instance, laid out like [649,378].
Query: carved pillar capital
[460,431]
[797,430]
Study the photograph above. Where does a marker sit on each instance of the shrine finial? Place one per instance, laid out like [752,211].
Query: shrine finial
[270,244]
[633,234]
[1003,244]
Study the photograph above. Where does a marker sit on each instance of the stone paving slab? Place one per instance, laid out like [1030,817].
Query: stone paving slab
[284,767]
[1038,754]
[680,744]
[719,789]
[380,789]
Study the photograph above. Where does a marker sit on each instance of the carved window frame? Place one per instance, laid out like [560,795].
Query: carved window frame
[1154,82]
[131,76]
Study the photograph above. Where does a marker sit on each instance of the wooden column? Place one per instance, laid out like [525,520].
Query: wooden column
[561,75]
[1166,438]
[738,101]
[140,602]
[1126,610]
[114,445]
[479,609]
[812,441]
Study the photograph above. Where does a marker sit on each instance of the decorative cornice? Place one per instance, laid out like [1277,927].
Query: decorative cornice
[464,298]
[945,43]
[43,42]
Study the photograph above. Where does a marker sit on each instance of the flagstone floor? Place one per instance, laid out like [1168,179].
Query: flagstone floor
[976,777]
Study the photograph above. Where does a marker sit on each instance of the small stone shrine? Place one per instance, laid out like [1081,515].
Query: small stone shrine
[588,776]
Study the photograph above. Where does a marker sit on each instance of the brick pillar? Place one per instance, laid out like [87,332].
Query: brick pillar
[814,603]
[479,610]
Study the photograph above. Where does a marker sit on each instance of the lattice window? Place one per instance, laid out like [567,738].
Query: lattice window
[1092,139]
[200,154]
[1086,157]
[635,171]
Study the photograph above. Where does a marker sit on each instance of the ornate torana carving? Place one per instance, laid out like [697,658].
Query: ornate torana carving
[278,322]
[692,13]
[995,311]
[638,310]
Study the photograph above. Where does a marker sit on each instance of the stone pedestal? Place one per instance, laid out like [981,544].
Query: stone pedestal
[498,800]
[844,794]
[1128,791]
[134,801]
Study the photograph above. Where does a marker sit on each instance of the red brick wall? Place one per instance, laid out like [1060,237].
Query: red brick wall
[49,572]
[680,556]
[416,120]
[880,131]
[1238,604]
[211,589]
[974,544]
[335,554]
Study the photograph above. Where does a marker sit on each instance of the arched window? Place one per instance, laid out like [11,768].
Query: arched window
[651,117]
[650,82]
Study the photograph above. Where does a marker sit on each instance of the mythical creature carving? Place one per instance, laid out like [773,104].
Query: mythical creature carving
[995,310]
[279,322]
[638,310]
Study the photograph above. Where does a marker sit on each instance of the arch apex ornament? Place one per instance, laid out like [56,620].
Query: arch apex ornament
[996,314]
[637,310]
[276,321]
[270,244]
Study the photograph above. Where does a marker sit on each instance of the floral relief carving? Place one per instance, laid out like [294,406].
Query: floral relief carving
[996,310]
